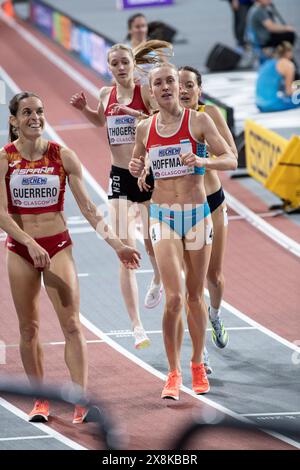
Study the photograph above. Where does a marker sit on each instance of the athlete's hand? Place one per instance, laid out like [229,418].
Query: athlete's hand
[116,108]
[79,101]
[190,159]
[136,166]
[129,256]
[143,186]
[40,257]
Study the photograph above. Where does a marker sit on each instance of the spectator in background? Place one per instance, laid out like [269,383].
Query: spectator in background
[274,86]
[240,10]
[137,34]
[137,30]
[262,21]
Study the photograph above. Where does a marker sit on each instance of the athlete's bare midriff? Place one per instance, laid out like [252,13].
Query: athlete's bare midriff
[121,155]
[182,190]
[41,225]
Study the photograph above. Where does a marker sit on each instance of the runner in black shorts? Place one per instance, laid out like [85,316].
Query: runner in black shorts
[190,92]
[114,103]
[123,184]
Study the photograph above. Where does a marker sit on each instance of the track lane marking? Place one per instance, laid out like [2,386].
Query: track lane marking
[42,427]
[24,438]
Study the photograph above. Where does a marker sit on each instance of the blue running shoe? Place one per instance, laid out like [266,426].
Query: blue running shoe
[219,335]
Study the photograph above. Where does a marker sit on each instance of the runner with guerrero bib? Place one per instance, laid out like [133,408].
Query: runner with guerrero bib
[33,176]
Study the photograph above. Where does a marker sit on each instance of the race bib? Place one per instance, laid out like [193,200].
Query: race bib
[31,188]
[121,129]
[155,233]
[225,216]
[209,234]
[166,161]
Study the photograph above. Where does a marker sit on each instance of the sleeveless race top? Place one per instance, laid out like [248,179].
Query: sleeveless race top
[121,127]
[35,187]
[164,151]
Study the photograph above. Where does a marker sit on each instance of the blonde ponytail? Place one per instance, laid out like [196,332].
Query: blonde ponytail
[143,53]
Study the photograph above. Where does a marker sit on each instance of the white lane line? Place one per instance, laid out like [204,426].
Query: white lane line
[264,215]
[284,413]
[83,274]
[42,427]
[144,271]
[56,343]
[24,438]
[88,341]
[258,326]
[121,333]
[74,127]
[263,226]
[99,190]
[75,218]
[76,221]
[94,329]
[50,55]
[76,230]
[277,236]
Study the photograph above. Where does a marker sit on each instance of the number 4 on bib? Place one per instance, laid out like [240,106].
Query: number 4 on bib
[155,233]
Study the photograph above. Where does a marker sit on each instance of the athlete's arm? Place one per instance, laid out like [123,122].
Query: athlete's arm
[39,256]
[222,126]
[137,162]
[95,116]
[129,256]
[115,108]
[206,128]
[143,186]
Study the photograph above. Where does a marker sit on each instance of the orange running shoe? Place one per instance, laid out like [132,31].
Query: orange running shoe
[80,414]
[172,386]
[200,381]
[40,412]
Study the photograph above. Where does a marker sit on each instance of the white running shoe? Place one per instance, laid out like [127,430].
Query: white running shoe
[141,340]
[154,295]
[206,361]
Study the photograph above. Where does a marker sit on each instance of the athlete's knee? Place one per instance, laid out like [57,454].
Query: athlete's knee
[71,327]
[174,302]
[216,278]
[29,331]
[194,297]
